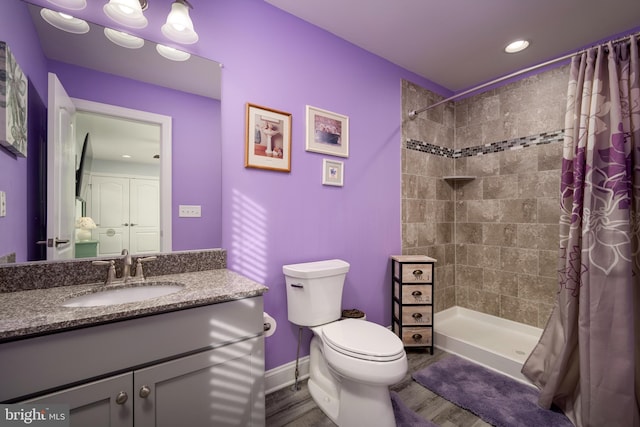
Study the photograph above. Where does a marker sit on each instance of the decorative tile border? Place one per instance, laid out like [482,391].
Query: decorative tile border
[494,147]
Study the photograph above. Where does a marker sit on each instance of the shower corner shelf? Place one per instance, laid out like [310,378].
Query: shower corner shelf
[458,178]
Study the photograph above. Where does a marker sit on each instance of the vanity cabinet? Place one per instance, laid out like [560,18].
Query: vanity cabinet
[209,388]
[103,403]
[412,281]
[200,366]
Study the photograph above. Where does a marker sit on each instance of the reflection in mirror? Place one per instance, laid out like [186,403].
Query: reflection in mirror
[89,66]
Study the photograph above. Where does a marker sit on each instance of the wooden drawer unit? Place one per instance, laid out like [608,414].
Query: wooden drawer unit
[412,300]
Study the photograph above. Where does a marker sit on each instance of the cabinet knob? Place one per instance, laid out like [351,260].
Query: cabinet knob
[145,391]
[121,398]
[416,293]
[417,316]
[416,337]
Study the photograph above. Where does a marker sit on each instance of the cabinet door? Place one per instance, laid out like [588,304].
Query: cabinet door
[219,387]
[96,404]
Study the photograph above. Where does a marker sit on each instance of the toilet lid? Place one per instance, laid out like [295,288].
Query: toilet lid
[363,340]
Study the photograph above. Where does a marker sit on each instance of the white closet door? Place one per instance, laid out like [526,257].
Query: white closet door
[144,216]
[110,211]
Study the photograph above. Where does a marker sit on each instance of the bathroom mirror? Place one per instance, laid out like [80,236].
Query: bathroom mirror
[198,76]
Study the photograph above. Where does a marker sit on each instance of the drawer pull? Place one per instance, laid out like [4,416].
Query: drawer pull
[417,316]
[121,398]
[296,285]
[416,293]
[417,274]
[416,337]
[145,391]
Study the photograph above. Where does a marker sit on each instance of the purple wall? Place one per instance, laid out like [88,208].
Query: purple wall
[268,218]
[274,218]
[17,31]
[196,144]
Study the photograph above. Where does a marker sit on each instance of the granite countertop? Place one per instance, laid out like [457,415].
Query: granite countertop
[40,311]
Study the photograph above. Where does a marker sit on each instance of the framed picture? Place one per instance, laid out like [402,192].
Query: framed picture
[13,103]
[327,132]
[268,139]
[332,172]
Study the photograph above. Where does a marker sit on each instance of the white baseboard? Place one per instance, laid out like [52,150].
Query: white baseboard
[285,375]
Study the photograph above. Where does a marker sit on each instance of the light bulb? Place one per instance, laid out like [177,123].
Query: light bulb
[64,21]
[172,53]
[70,4]
[126,12]
[179,27]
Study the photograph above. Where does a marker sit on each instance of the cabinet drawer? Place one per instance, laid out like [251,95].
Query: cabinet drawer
[414,314]
[417,336]
[415,273]
[412,294]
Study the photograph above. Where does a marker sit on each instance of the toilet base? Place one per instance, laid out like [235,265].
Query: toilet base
[347,403]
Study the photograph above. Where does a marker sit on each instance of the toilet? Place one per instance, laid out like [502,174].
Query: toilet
[352,362]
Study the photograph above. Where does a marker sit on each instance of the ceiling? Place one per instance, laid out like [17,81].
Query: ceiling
[113,137]
[459,44]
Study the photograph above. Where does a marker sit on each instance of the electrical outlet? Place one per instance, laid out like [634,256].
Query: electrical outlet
[190,211]
[3,204]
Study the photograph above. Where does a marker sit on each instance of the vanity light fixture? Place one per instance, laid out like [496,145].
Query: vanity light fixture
[123,39]
[64,22]
[179,27]
[517,46]
[127,12]
[70,4]
[172,53]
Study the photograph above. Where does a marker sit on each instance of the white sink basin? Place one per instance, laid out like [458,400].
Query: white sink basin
[136,293]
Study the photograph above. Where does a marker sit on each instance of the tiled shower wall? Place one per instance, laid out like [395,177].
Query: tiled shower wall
[495,237]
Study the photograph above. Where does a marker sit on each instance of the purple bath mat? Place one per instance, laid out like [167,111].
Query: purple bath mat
[405,417]
[496,398]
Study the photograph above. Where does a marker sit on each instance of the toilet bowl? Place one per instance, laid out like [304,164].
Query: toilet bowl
[352,362]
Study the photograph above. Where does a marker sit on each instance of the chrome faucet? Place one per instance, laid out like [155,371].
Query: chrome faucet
[126,266]
[126,276]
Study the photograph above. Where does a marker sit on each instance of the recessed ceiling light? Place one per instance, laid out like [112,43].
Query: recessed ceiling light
[64,22]
[70,4]
[126,156]
[171,53]
[123,39]
[516,46]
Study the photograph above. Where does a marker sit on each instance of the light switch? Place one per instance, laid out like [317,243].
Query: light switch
[190,211]
[3,204]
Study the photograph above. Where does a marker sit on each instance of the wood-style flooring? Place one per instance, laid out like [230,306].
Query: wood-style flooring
[297,409]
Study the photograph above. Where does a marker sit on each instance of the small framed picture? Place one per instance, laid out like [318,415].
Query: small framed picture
[332,172]
[327,132]
[268,139]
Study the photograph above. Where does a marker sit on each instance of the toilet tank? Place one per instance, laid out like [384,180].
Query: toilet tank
[314,291]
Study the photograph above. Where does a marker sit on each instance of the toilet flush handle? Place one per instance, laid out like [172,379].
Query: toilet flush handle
[296,285]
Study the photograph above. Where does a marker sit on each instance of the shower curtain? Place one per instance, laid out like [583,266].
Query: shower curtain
[586,362]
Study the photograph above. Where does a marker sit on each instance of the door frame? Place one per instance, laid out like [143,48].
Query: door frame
[165,155]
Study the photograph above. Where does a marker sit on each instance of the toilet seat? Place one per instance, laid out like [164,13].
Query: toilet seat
[363,340]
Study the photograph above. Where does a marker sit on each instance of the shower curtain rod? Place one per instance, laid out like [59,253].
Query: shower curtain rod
[414,113]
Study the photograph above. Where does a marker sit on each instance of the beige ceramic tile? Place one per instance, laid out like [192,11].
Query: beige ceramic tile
[519,260]
[500,187]
[499,234]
